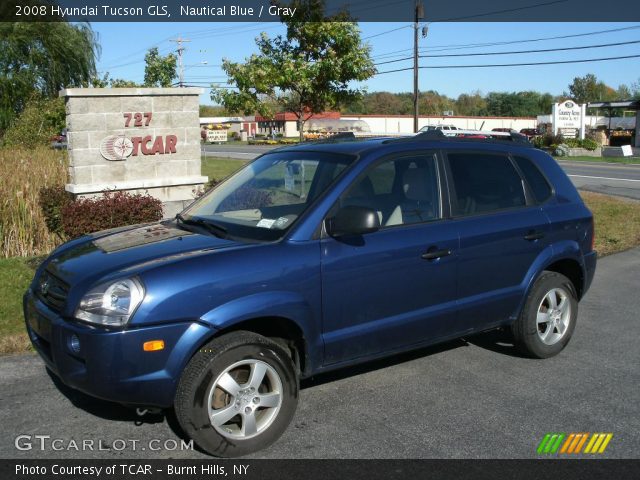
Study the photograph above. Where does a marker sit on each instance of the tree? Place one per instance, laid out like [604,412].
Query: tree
[107,82]
[42,58]
[589,89]
[159,71]
[624,92]
[306,71]
[432,103]
[471,104]
[382,103]
[518,104]
[635,90]
[212,111]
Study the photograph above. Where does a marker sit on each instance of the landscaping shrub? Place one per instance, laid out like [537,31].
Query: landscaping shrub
[573,142]
[539,142]
[587,143]
[561,150]
[590,144]
[52,200]
[113,209]
[549,140]
[280,141]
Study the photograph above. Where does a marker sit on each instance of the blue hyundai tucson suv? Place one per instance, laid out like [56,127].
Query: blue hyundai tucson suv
[312,258]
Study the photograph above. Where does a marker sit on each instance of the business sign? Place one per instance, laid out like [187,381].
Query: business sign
[119,147]
[568,118]
[568,115]
[142,140]
[216,136]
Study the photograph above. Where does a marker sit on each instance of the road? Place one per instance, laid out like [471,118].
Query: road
[465,399]
[608,178]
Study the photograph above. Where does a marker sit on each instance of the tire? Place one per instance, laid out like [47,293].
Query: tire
[218,381]
[543,330]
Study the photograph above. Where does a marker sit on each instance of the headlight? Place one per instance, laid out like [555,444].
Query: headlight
[111,304]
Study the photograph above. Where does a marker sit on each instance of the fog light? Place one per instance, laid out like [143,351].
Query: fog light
[74,343]
[153,345]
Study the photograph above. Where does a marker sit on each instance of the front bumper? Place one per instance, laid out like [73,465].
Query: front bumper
[112,364]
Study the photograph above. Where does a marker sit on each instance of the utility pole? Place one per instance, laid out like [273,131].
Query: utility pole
[179,41]
[419,13]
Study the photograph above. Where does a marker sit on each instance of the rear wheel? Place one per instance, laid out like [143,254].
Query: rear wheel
[237,395]
[548,318]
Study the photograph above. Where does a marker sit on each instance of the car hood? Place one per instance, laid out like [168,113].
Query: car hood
[109,254]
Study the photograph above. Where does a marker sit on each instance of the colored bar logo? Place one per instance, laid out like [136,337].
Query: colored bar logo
[573,443]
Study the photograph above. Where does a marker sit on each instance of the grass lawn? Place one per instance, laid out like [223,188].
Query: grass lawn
[220,168]
[617,229]
[626,160]
[15,275]
[617,222]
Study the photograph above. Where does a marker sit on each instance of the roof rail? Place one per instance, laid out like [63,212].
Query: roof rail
[467,135]
[429,135]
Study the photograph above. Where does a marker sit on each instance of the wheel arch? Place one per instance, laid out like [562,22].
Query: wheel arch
[565,260]
[570,268]
[282,330]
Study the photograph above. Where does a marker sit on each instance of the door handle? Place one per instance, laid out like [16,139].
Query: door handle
[533,235]
[433,253]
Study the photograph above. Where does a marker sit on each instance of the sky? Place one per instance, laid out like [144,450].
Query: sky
[124,46]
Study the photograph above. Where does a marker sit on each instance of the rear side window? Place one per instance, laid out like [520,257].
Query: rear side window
[484,183]
[539,185]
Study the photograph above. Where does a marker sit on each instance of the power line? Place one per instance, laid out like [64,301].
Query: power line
[133,62]
[199,34]
[137,52]
[386,32]
[508,10]
[439,48]
[516,52]
[514,64]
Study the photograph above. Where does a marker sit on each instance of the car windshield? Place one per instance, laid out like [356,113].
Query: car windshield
[264,199]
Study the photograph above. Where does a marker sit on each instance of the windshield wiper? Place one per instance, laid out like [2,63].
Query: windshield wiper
[217,230]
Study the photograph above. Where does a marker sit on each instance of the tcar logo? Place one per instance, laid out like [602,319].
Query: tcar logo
[116,147]
[120,147]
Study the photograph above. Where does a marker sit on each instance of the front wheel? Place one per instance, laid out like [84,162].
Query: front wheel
[237,395]
[548,318]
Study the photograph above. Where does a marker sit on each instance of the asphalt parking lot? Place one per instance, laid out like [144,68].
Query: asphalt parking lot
[465,399]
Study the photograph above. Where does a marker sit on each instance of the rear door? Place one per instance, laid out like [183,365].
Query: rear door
[502,232]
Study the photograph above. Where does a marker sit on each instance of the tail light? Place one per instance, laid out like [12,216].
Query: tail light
[593,233]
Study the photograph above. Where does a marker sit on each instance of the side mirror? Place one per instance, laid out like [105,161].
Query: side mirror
[353,220]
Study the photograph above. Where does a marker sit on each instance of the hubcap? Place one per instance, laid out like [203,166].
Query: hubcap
[245,399]
[554,315]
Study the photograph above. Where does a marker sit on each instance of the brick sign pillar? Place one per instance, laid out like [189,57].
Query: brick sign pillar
[142,140]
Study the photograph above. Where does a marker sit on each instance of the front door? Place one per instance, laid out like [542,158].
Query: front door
[395,287]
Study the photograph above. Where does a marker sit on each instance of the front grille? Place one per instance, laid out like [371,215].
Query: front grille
[52,291]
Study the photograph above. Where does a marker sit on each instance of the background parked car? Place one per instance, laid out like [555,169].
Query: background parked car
[446,129]
[530,132]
